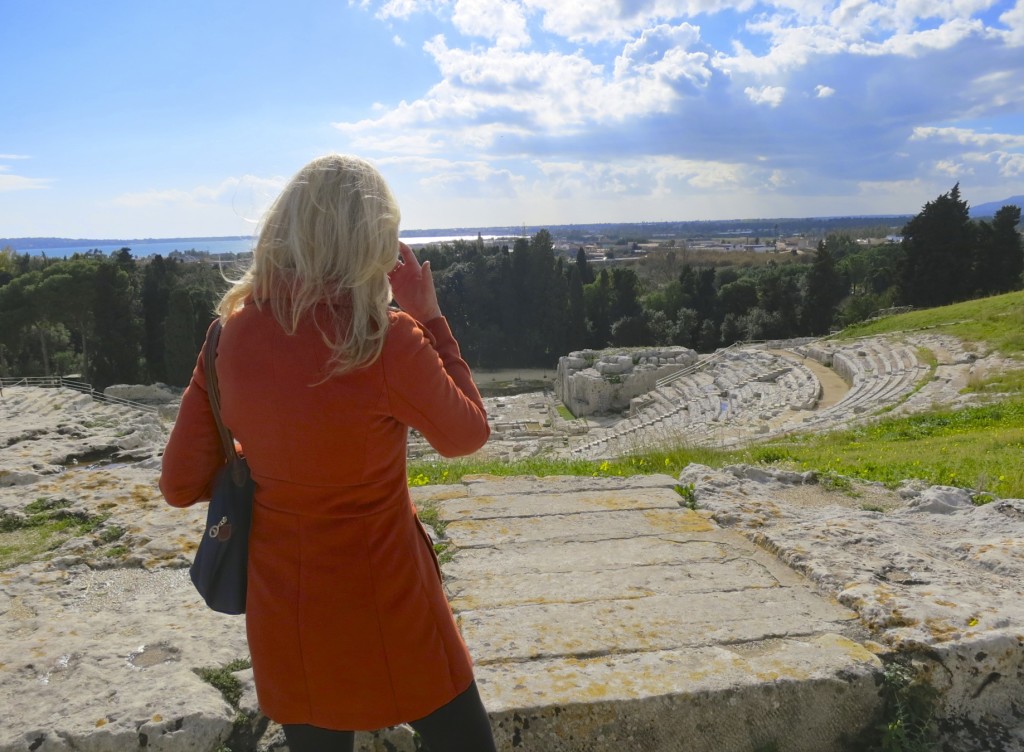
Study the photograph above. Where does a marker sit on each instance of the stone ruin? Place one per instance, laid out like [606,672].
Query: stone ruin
[603,381]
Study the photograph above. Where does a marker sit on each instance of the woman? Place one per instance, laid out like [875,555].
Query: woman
[347,621]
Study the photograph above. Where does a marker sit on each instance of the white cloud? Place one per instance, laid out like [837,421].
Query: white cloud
[487,94]
[476,177]
[248,195]
[620,20]
[20,183]
[613,85]
[1010,165]
[966,136]
[498,20]
[918,42]
[398,41]
[10,182]
[1014,21]
[953,169]
[662,53]
[652,176]
[792,48]
[1006,164]
[403,9]
[769,95]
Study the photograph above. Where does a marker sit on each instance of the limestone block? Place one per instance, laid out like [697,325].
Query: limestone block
[146,393]
[608,369]
[941,500]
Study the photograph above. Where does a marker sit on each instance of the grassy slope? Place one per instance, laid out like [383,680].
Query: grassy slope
[980,448]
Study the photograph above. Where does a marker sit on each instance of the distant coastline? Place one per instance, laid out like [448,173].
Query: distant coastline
[764,227]
[63,247]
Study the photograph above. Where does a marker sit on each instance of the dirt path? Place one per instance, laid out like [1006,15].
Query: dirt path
[833,388]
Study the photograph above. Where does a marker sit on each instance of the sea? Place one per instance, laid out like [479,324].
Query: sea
[153,247]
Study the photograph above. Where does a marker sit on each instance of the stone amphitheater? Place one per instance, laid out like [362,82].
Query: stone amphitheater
[737,395]
[756,612]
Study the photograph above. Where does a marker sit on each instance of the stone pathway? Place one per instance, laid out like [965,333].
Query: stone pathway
[603,615]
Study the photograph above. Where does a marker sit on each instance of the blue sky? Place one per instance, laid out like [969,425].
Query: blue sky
[161,119]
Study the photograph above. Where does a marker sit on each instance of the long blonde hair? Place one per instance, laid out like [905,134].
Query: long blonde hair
[331,236]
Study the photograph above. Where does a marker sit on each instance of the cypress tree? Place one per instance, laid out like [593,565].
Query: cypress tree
[937,250]
[179,338]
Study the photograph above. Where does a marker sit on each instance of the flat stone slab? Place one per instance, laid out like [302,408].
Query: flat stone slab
[603,615]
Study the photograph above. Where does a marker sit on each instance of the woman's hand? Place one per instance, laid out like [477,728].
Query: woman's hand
[413,286]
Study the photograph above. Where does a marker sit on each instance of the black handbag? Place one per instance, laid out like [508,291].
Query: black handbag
[219,570]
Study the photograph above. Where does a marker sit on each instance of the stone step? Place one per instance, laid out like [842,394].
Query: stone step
[606,617]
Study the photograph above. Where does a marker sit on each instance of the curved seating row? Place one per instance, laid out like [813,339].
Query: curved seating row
[739,396]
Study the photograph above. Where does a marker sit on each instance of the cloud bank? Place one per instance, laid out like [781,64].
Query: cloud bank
[874,105]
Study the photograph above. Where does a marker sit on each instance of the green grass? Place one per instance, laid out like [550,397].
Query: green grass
[223,679]
[1005,382]
[43,527]
[997,322]
[669,461]
[979,448]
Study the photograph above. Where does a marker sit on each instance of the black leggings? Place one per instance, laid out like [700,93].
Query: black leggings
[459,726]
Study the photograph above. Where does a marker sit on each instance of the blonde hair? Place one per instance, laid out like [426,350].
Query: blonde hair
[331,236]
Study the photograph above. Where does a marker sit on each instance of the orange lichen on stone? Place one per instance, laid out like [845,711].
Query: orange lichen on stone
[678,521]
[441,493]
[940,628]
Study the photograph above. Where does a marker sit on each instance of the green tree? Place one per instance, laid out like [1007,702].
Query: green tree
[19,310]
[822,292]
[8,264]
[686,329]
[156,292]
[597,303]
[999,255]
[631,331]
[179,339]
[778,294]
[583,268]
[576,328]
[737,297]
[68,290]
[117,351]
[937,250]
[625,294]
[708,341]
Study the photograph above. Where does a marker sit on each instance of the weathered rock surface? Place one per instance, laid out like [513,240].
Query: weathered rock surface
[150,394]
[932,575]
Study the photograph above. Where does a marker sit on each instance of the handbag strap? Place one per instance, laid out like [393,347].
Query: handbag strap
[238,469]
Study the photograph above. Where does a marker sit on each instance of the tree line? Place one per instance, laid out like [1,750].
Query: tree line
[108,319]
[527,305]
[117,319]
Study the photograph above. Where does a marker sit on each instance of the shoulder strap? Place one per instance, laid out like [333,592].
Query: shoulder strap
[213,393]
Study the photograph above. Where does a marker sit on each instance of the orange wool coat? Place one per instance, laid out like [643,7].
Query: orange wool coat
[347,620]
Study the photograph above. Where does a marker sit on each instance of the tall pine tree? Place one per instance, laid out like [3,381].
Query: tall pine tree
[937,251]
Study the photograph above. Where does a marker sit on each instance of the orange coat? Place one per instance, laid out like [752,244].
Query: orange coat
[347,621]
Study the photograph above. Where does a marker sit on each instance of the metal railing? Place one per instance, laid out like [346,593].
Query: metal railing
[700,365]
[57,382]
